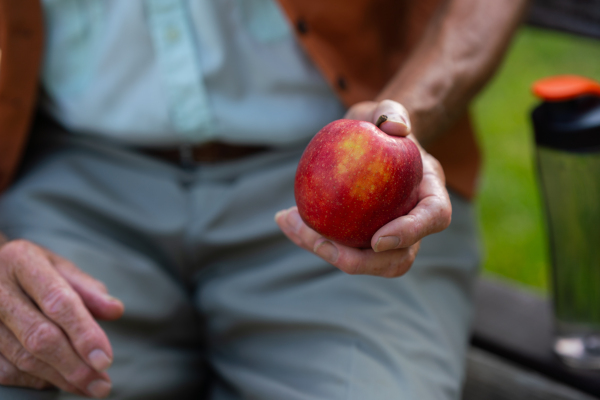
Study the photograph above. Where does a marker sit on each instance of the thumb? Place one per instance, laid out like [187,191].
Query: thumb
[93,292]
[396,121]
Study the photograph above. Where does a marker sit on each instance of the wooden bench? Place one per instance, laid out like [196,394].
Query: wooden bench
[511,355]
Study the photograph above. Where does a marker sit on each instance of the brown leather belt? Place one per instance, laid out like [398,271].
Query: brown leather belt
[211,152]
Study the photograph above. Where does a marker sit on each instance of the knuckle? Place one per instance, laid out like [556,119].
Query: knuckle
[442,217]
[447,217]
[78,376]
[401,264]
[58,301]
[42,339]
[434,166]
[392,268]
[390,273]
[26,362]
[435,163]
[415,226]
[352,268]
[398,269]
[388,103]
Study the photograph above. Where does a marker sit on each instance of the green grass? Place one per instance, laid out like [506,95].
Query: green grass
[508,205]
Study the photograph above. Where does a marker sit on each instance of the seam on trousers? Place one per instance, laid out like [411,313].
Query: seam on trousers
[348,393]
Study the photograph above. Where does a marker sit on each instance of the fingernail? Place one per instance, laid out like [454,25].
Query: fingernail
[294,220]
[385,243]
[401,122]
[99,360]
[110,298]
[327,251]
[279,213]
[396,118]
[99,388]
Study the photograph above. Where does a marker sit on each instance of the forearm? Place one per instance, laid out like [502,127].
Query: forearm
[459,52]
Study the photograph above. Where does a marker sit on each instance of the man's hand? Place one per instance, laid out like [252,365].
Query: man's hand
[395,245]
[48,335]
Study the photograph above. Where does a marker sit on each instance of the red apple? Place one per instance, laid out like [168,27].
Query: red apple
[353,178]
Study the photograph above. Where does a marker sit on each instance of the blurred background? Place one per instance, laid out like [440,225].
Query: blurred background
[509,207]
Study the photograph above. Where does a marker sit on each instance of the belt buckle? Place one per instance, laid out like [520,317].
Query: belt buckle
[186,155]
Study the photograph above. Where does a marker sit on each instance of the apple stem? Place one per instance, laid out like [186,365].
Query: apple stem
[382,118]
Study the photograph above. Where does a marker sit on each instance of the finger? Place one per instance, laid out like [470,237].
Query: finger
[42,337]
[432,214]
[348,259]
[62,305]
[362,111]
[93,292]
[397,122]
[295,229]
[27,369]
[11,376]
[353,261]
[46,342]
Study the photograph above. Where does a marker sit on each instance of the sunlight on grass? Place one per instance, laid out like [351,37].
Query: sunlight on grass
[508,204]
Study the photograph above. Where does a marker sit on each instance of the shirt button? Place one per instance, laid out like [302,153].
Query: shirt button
[172,34]
[302,26]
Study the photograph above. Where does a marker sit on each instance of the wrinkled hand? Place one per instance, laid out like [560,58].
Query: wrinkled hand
[48,335]
[394,245]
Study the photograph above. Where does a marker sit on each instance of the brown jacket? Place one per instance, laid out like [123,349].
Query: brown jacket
[356,46]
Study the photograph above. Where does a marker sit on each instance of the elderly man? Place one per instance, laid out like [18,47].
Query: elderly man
[165,137]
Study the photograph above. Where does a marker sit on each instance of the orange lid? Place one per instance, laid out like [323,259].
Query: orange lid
[565,87]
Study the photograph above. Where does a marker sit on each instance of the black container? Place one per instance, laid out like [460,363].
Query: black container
[567,138]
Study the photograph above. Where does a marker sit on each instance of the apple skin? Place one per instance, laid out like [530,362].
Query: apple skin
[353,178]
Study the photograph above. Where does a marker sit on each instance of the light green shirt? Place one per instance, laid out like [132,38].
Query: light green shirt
[167,72]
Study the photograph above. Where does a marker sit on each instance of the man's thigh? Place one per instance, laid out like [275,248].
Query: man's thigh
[89,207]
[283,324]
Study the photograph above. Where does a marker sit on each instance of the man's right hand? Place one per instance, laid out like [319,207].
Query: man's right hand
[48,334]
